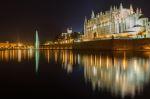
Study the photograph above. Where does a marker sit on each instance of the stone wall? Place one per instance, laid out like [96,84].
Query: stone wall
[112,44]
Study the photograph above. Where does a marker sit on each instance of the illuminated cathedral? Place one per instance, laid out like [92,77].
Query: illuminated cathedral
[117,22]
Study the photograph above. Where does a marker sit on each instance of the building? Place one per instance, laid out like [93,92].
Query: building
[117,22]
[14,45]
[67,34]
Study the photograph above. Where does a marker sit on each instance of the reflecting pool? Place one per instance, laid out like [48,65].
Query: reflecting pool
[118,74]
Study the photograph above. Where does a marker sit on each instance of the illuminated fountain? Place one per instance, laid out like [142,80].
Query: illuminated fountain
[36,40]
[36,51]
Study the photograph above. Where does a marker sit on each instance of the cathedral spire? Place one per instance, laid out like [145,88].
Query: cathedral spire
[111,8]
[114,8]
[85,20]
[131,9]
[140,11]
[93,15]
[137,10]
[121,7]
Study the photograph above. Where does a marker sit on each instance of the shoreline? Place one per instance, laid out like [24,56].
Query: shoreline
[106,45]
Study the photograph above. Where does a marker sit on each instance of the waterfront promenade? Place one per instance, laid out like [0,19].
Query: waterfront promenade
[104,44]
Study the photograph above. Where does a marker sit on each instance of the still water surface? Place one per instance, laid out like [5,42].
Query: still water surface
[75,74]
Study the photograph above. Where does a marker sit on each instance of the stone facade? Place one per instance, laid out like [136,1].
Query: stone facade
[115,21]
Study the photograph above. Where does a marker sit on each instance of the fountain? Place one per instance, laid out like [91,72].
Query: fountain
[36,51]
[36,40]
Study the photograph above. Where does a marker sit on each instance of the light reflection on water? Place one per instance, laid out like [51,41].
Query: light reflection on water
[37,56]
[16,55]
[120,73]
[20,55]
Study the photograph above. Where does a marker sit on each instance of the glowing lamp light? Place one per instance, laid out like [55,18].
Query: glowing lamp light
[19,44]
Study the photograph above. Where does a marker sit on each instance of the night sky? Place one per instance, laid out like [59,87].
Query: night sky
[19,19]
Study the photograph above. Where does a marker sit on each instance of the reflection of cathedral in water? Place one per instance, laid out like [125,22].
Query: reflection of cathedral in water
[117,75]
[116,72]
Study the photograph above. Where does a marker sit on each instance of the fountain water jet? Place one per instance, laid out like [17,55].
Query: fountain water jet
[36,51]
[36,40]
